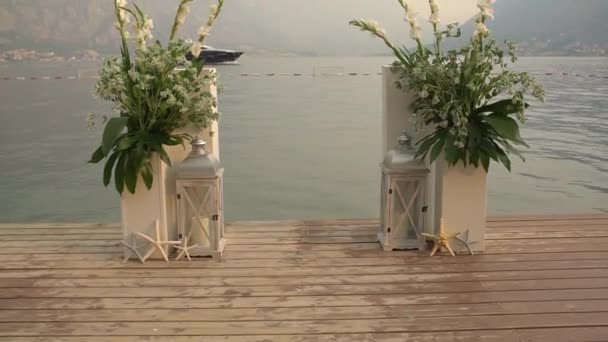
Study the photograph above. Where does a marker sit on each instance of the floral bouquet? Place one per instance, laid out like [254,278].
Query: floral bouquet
[469,97]
[155,91]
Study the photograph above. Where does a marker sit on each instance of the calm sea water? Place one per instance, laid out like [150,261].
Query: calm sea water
[295,146]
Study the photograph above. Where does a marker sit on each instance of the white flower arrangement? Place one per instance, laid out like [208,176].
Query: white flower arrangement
[155,93]
[469,97]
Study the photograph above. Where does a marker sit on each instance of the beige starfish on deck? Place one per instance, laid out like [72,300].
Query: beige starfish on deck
[157,243]
[184,249]
[442,240]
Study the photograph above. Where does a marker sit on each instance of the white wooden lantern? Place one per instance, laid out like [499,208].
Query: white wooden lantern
[403,198]
[200,204]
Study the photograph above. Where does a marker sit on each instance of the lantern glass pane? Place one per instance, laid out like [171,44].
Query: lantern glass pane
[383,200]
[199,210]
[407,199]
[220,200]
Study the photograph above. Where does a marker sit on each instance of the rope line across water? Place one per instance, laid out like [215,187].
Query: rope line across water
[76,77]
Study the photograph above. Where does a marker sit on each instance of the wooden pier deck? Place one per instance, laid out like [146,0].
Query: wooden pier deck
[542,279]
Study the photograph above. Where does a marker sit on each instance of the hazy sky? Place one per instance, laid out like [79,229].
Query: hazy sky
[451,10]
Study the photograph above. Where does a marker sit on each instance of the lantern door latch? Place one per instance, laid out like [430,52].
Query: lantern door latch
[425,208]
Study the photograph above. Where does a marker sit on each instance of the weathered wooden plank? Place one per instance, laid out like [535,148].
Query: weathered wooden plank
[10,240]
[552,217]
[546,235]
[411,257]
[589,334]
[114,261]
[307,247]
[315,258]
[330,222]
[60,250]
[423,324]
[13,269]
[303,240]
[301,233]
[197,281]
[261,314]
[595,244]
[323,258]
[19,226]
[113,247]
[458,336]
[529,229]
[291,229]
[303,290]
[555,223]
[351,223]
[554,248]
[60,243]
[302,301]
[307,223]
[115,256]
[496,249]
[303,313]
[60,231]
[544,242]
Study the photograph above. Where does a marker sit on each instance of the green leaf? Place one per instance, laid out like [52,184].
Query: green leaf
[506,127]
[504,159]
[113,130]
[436,150]
[425,145]
[451,152]
[131,172]
[485,161]
[474,158]
[97,156]
[107,171]
[119,173]
[174,141]
[164,156]
[125,142]
[142,15]
[503,107]
[147,175]
[513,150]
[490,150]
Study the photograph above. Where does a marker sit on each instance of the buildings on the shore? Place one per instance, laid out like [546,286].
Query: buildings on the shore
[22,55]
[529,48]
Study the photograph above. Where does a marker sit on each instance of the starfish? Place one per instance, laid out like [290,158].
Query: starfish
[442,240]
[157,243]
[465,239]
[132,248]
[184,249]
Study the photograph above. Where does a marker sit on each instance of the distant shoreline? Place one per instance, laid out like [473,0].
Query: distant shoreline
[91,56]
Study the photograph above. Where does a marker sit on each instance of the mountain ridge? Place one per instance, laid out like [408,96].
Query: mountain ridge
[554,27]
[562,27]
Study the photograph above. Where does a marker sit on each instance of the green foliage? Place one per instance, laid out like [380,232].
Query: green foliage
[156,93]
[472,100]
[469,97]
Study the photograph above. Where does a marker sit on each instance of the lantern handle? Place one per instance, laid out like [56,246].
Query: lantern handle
[405,142]
[198,145]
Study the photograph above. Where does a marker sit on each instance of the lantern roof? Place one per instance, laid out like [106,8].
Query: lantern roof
[403,157]
[199,163]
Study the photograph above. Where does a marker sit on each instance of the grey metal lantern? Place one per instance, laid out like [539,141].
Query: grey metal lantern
[403,198]
[200,202]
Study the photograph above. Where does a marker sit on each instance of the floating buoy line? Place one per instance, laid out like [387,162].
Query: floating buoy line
[349,74]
